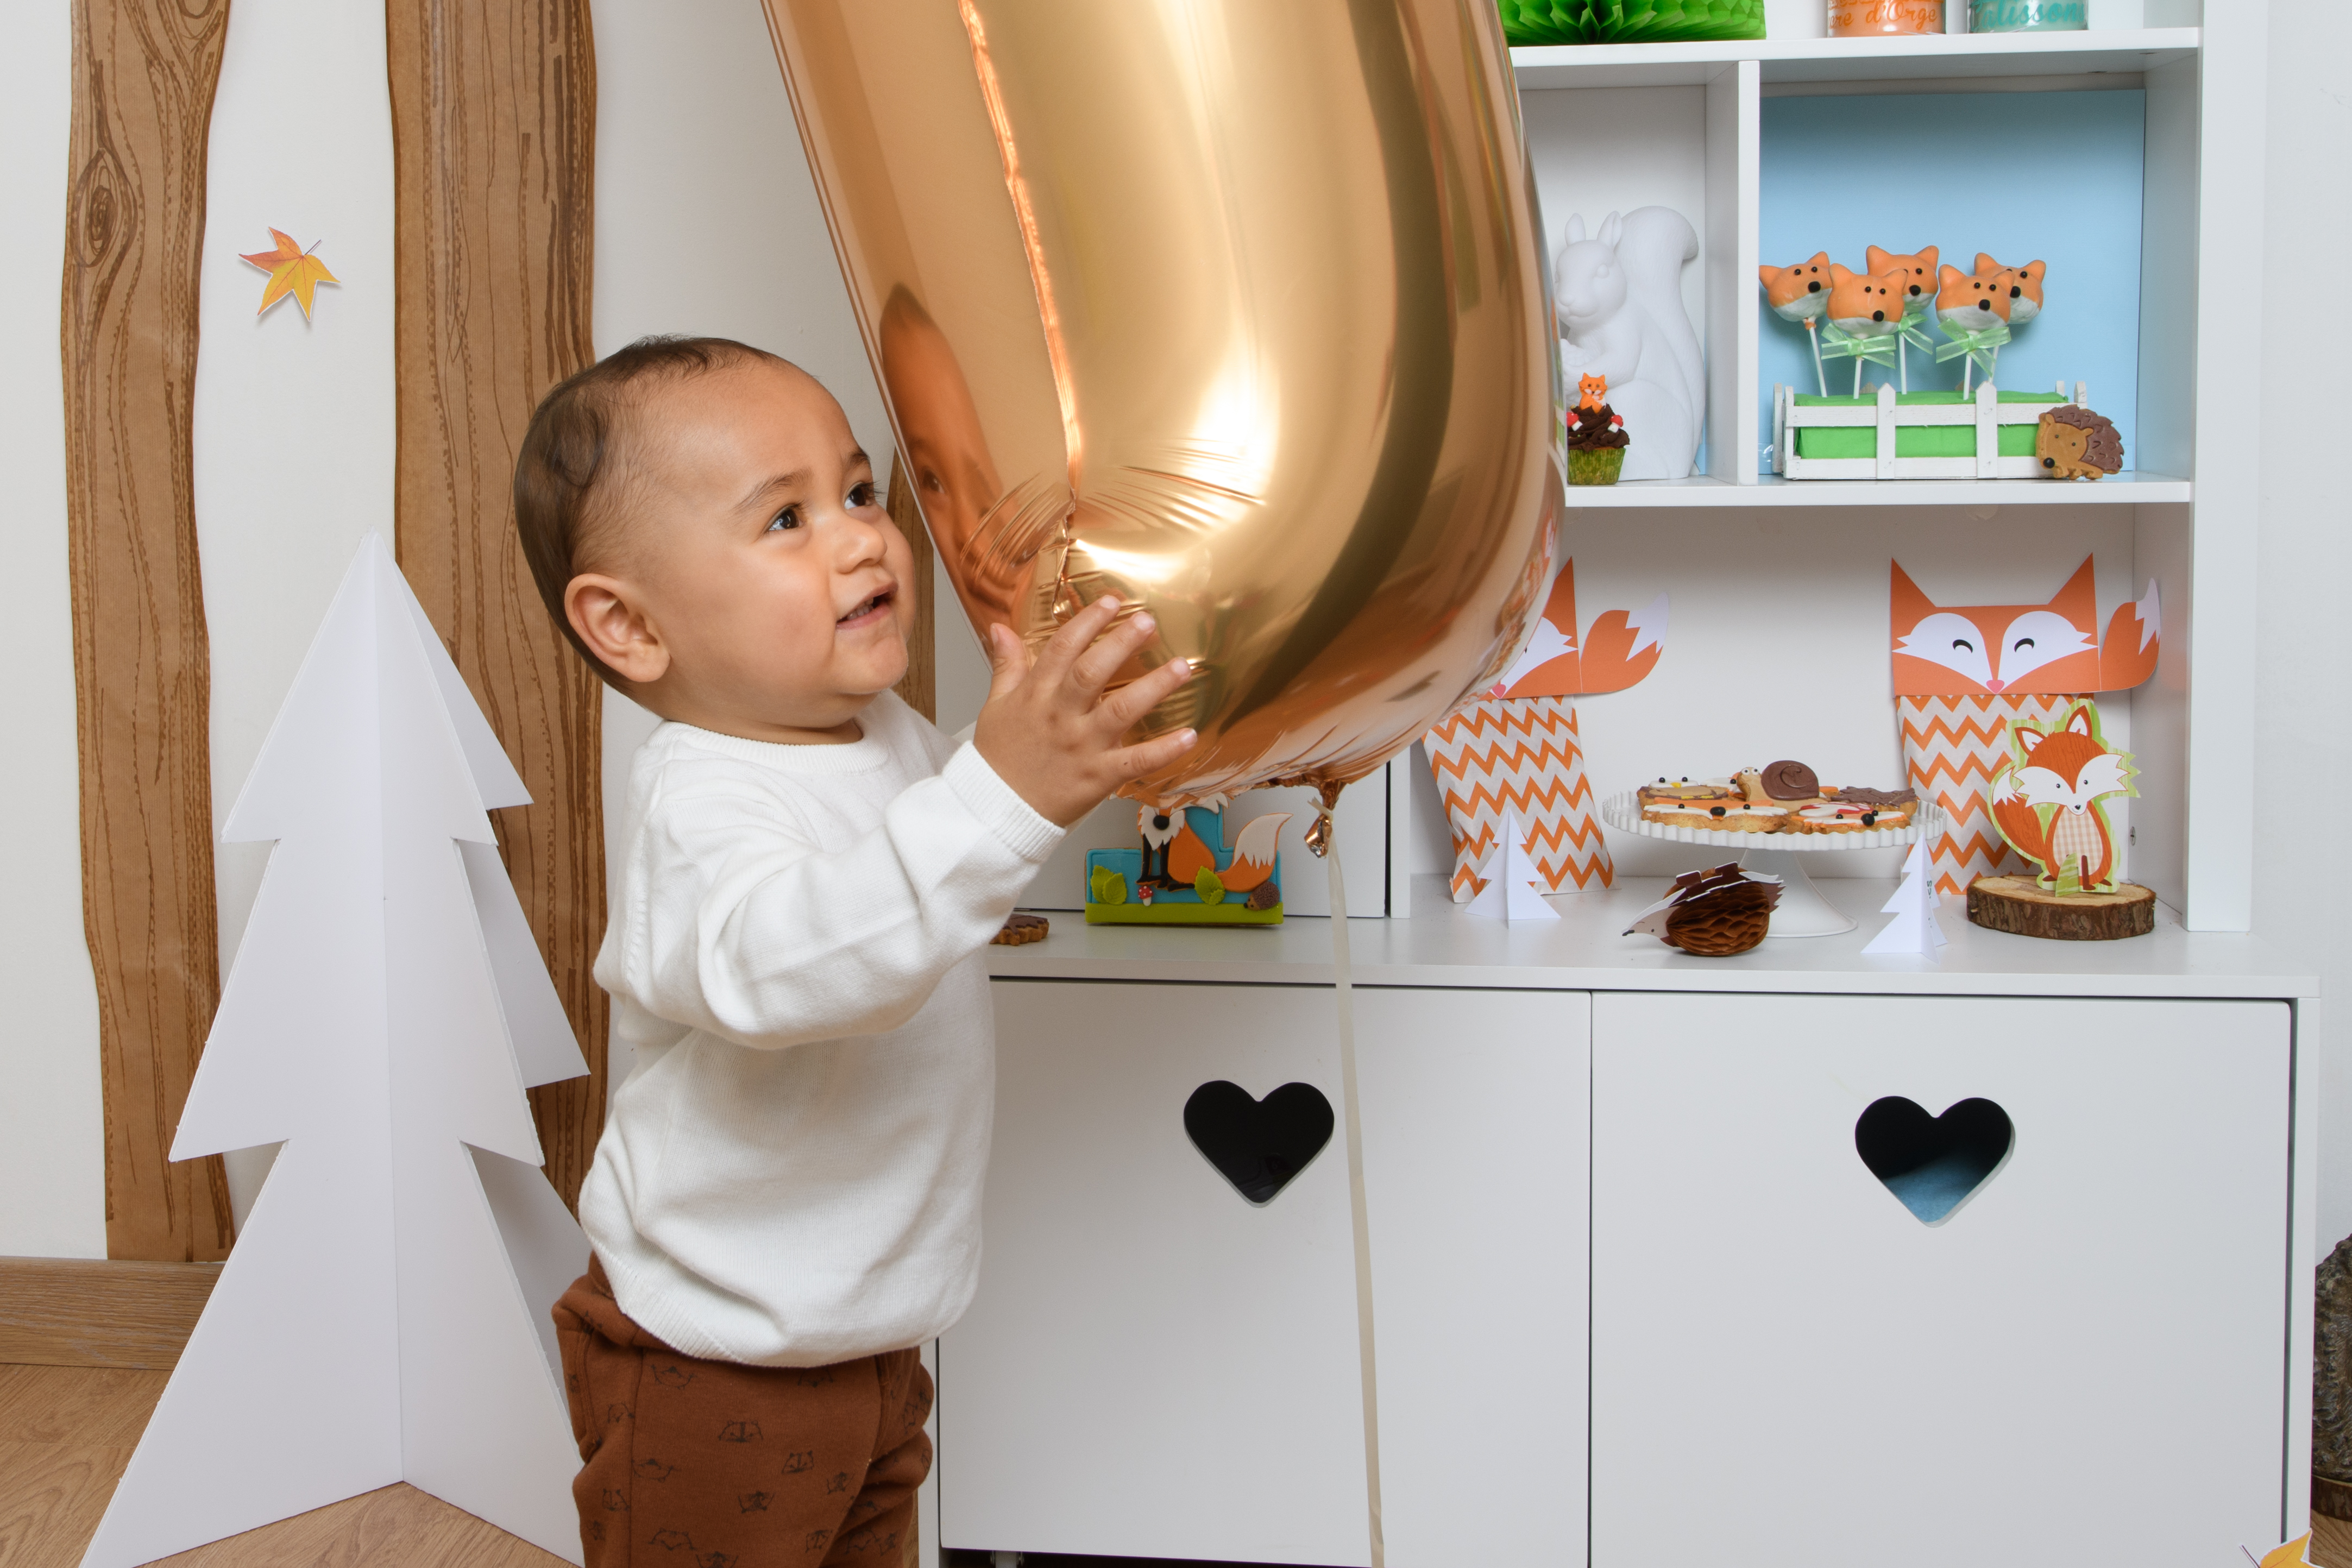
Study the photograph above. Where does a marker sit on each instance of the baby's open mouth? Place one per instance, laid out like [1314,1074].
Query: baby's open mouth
[867,608]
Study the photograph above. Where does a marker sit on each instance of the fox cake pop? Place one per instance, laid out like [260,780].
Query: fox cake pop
[2021,283]
[1865,310]
[1800,293]
[1974,314]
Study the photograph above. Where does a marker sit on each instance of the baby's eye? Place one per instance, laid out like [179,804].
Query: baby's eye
[862,495]
[789,517]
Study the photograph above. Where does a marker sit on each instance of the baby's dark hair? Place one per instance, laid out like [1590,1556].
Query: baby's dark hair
[573,452]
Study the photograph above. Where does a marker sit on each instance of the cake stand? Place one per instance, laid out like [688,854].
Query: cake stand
[1803,910]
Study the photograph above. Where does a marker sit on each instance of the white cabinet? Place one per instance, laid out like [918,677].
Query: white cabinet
[1154,1366]
[2081,1363]
[1475,1107]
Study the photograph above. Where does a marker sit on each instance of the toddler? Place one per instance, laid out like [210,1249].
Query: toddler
[786,1198]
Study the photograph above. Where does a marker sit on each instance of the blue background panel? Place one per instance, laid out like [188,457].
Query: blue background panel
[2049,176]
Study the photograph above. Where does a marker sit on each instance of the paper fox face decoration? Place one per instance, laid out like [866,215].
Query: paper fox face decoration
[2047,799]
[1798,293]
[1971,304]
[1917,274]
[2021,283]
[1623,647]
[1592,392]
[1943,651]
[1865,306]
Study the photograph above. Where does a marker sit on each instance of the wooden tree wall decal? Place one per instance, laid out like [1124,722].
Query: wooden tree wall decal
[385,1315]
[143,74]
[494,114]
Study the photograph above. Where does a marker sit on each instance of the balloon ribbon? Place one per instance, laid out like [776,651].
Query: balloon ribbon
[1319,840]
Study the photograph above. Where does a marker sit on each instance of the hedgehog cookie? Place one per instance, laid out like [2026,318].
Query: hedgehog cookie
[2072,443]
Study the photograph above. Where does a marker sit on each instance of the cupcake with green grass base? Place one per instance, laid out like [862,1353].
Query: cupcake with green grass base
[1596,437]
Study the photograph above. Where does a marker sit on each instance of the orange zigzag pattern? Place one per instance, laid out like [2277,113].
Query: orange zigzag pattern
[1519,754]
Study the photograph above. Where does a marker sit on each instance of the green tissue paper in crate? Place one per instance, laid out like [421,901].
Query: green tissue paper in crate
[1630,21]
[1958,439]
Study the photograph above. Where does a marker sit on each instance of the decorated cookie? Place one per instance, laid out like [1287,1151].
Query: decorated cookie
[1790,781]
[2074,442]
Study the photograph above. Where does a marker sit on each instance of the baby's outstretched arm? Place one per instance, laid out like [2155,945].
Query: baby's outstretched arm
[741,925]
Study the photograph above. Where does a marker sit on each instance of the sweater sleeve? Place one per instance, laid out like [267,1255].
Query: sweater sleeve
[742,929]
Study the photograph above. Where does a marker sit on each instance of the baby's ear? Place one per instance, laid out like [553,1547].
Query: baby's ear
[1839,274]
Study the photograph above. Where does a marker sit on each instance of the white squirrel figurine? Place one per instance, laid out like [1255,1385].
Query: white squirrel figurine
[1621,311]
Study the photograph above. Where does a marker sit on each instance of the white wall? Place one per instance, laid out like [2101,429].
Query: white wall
[2304,716]
[294,419]
[52,1159]
[708,222]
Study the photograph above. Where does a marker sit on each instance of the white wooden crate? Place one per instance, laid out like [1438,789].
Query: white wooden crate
[1887,416]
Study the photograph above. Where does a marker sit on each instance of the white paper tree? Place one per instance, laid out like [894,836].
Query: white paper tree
[1913,927]
[383,1317]
[1514,890]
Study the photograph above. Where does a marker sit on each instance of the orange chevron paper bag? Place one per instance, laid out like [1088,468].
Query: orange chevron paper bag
[1962,673]
[1515,747]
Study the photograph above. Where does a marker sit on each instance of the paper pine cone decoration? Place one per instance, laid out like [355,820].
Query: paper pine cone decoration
[1630,21]
[1712,913]
[1519,754]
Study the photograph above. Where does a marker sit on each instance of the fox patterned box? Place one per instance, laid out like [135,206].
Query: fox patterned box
[1183,872]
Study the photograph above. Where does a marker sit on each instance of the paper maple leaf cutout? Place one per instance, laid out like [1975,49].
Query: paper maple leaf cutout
[291,271]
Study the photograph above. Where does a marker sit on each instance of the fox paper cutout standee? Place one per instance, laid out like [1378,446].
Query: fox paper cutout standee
[2050,801]
[1515,748]
[1963,673]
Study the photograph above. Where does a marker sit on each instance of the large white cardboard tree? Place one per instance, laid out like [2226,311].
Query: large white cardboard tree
[383,1317]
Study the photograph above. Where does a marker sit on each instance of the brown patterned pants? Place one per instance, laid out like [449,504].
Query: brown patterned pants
[708,1464]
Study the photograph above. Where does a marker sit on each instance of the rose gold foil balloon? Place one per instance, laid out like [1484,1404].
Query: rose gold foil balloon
[1235,309]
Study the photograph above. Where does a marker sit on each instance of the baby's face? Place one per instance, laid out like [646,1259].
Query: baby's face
[764,557]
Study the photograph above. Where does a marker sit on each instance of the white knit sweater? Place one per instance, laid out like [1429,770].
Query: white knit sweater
[791,1175]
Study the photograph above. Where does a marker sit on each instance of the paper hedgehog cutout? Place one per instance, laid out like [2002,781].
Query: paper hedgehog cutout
[1712,913]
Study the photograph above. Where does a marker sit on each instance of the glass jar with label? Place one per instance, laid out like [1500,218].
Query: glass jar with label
[2029,16]
[1871,18]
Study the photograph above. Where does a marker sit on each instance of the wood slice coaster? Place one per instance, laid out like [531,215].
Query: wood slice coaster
[1020,930]
[2014,904]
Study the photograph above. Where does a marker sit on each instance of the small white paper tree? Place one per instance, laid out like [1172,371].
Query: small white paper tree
[1513,891]
[1913,927]
[385,1315]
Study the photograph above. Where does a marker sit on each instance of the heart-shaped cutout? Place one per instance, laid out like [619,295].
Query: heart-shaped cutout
[1258,1144]
[1933,1163]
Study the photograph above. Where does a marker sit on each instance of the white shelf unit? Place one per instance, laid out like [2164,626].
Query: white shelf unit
[1685,119]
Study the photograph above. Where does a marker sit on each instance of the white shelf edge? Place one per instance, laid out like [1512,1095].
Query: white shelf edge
[1445,946]
[2124,489]
[1966,55]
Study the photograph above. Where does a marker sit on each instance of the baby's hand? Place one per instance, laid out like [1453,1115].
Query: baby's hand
[1048,730]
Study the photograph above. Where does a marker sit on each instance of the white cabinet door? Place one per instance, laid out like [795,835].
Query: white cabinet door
[1475,1114]
[1154,1366]
[2085,1362]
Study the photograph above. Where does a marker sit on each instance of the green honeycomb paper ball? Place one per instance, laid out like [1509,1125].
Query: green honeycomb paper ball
[1630,21]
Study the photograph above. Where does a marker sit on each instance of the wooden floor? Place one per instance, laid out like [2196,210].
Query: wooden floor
[66,1433]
